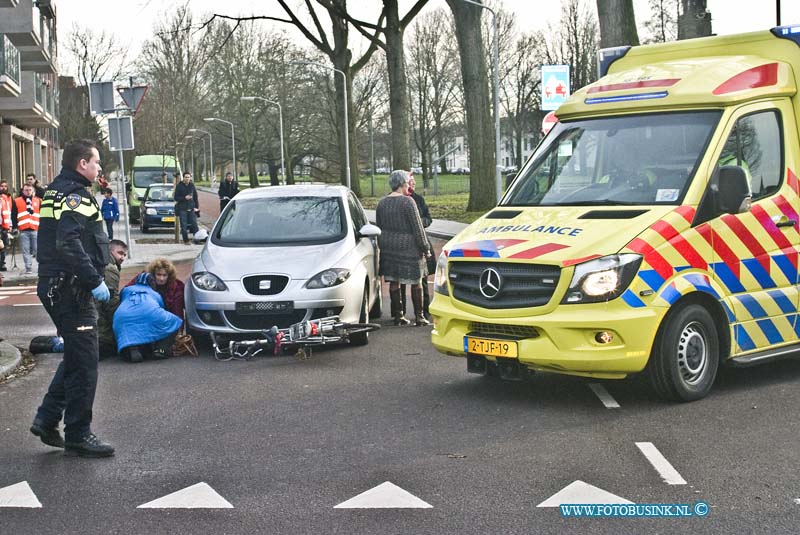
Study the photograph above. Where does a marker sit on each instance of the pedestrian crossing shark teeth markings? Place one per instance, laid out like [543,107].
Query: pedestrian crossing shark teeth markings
[661,464]
[600,391]
[387,495]
[19,495]
[580,492]
[198,496]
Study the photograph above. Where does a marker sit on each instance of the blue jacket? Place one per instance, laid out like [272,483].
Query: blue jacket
[141,317]
[110,209]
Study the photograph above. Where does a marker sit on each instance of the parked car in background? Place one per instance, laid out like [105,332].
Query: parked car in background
[158,207]
[284,254]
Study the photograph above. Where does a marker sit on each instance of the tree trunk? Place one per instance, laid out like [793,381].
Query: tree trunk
[341,58]
[274,179]
[695,20]
[480,131]
[398,87]
[251,169]
[617,23]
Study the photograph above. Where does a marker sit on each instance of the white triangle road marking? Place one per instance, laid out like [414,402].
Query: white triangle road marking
[19,495]
[387,495]
[661,464]
[198,496]
[580,492]
[607,399]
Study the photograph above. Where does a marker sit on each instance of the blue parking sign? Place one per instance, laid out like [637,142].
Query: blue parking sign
[555,86]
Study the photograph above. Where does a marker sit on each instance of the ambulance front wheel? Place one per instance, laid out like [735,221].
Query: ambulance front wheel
[684,362]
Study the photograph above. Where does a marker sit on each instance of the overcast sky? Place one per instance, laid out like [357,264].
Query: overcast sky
[132,20]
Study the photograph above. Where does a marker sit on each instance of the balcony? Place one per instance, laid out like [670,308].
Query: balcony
[22,24]
[40,58]
[30,110]
[9,68]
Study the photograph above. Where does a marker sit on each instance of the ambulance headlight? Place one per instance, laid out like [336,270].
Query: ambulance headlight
[602,279]
[440,278]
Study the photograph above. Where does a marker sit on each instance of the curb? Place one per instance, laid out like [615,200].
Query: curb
[11,355]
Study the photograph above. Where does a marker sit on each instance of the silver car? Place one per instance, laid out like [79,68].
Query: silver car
[284,254]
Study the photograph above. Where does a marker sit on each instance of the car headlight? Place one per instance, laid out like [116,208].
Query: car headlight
[151,211]
[440,277]
[328,278]
[602,279]
[208,281]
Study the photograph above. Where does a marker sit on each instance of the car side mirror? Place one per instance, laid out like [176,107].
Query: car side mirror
[733,196]
[369,231]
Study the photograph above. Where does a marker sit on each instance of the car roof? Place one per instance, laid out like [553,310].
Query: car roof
[296,190]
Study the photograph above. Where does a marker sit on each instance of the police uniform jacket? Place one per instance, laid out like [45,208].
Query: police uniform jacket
[71,235]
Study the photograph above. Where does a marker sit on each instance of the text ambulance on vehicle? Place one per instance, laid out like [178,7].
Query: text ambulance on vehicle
[655,228]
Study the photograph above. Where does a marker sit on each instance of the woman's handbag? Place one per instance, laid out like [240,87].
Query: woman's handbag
[431,259]
[184,346]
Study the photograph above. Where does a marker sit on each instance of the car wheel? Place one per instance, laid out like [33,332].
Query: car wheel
[685,359]
[377,307]
[362,338]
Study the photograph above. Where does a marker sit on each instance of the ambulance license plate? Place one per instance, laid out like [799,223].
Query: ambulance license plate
[169,219]
[495,348]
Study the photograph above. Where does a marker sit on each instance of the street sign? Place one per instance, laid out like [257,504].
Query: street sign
[101,97]
[120,133]
[555,86]
[133,96]
[549,121]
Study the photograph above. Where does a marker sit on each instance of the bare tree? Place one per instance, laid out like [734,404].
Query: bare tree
[662,25]
[574,43]
[694,19]
[97,56]
[617,23]
[480,131]
[520,92]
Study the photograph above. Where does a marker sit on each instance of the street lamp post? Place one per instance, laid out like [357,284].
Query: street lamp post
[280,124]
[191,149]
[498,186]
[210,151]
[233,141]
[346,123]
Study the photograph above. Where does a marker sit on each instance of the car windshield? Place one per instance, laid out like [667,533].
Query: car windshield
[642,159]
[160,194]
[281,221]
[143,177]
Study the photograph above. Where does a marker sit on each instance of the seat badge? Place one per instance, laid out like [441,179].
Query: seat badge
[265,284]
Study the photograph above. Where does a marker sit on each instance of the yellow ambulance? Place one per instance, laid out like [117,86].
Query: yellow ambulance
[654,229]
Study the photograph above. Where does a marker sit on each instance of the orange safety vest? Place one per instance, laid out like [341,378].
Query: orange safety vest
[5,211]
[26,221]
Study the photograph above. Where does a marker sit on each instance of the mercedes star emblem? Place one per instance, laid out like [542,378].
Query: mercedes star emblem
[489,283]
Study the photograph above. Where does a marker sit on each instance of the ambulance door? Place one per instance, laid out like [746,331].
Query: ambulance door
[756,252]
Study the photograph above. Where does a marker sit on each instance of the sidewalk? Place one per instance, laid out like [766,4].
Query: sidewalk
[9,358]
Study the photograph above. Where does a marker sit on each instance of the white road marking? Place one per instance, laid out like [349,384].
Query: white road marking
[198,496]
[580,492]
[19,495]
[387,495]
[27,305]
[661,464]
[7,288]
[3,297]
[8,291]
[601,392]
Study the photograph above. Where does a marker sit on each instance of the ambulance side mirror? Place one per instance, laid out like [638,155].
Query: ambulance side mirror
[734,194]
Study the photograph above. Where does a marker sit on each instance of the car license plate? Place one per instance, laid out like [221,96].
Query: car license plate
[169,219]
[495,348]
[265,307]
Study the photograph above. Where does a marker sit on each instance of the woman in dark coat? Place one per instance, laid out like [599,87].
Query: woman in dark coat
[403,245]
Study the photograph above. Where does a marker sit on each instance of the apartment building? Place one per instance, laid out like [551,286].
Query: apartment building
[28,91]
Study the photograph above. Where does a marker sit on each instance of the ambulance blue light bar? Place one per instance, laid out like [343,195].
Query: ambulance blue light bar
[623,98]
[791,32]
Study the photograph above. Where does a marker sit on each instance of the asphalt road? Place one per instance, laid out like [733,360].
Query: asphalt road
[284,441]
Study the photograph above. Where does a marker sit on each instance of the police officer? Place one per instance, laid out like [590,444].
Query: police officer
[73,253]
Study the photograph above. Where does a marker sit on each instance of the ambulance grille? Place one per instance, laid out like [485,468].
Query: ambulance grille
[521,286]
[516,331]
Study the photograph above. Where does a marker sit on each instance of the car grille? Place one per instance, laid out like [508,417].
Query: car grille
[254,322]
[276,284]
[516,331]
[522,286]
[165,211]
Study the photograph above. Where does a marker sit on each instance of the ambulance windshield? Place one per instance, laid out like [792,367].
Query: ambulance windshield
[628,160]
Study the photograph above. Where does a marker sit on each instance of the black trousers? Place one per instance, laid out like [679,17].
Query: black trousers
[71,392]
[4,237]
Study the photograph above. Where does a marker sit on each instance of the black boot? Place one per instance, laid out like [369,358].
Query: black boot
[162,349]
[133,354]
[397,312]
[89,446]
[416,299]
[403,299]
[426,298]
[48,435]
